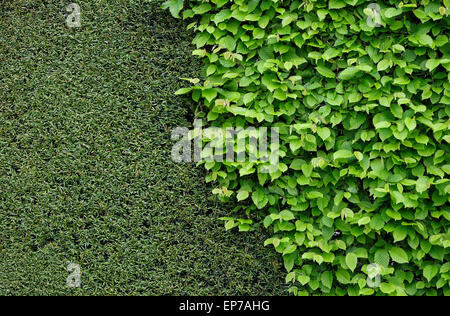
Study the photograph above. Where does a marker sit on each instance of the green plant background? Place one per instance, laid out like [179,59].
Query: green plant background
[85,168]
[363,113]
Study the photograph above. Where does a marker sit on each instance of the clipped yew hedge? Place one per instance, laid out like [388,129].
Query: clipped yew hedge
[361,95]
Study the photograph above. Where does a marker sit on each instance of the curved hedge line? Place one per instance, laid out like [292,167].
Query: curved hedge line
[361,94]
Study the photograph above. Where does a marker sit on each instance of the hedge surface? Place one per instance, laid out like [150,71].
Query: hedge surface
[85,169]
[361,95]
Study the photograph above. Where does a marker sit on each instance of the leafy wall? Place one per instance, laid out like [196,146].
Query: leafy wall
[360,92]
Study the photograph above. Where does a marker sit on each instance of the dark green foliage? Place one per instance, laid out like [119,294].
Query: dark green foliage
[360,92]
[85,168]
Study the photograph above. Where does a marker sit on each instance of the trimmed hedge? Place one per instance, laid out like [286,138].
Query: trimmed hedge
[85,169]
[361,95]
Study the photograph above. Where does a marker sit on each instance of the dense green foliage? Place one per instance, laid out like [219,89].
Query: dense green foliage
[85,169]
[362,101]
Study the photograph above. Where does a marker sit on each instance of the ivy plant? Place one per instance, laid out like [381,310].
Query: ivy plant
[360,92]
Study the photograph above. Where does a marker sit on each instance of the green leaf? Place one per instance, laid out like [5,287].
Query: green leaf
[430,272]
[286,215]
[327,279]
[382,257]
[343,154]
[351,260]
[183,91]
[249,97]
[410,123]
[326,72]
[384,64]
[387,288]
[336,4]
[264,21]
[228,42]
[270,81]
[295,144]
[432,64]
[424,39]
[422,184]
[289,249]
[364,221]
[303,279]
[209,94]
[324,132]
[280,95]
[377,222]
[289,261]
[307,170]
[230,225]
[211,69]
[242,195]
[397,110]
[331,53]
[202,8]
[394,215]
[399,255]
[175,6]
[400,233]
[222,16]
[392,12]
[343,276]
[314,195]
[381,121]
[349,73]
